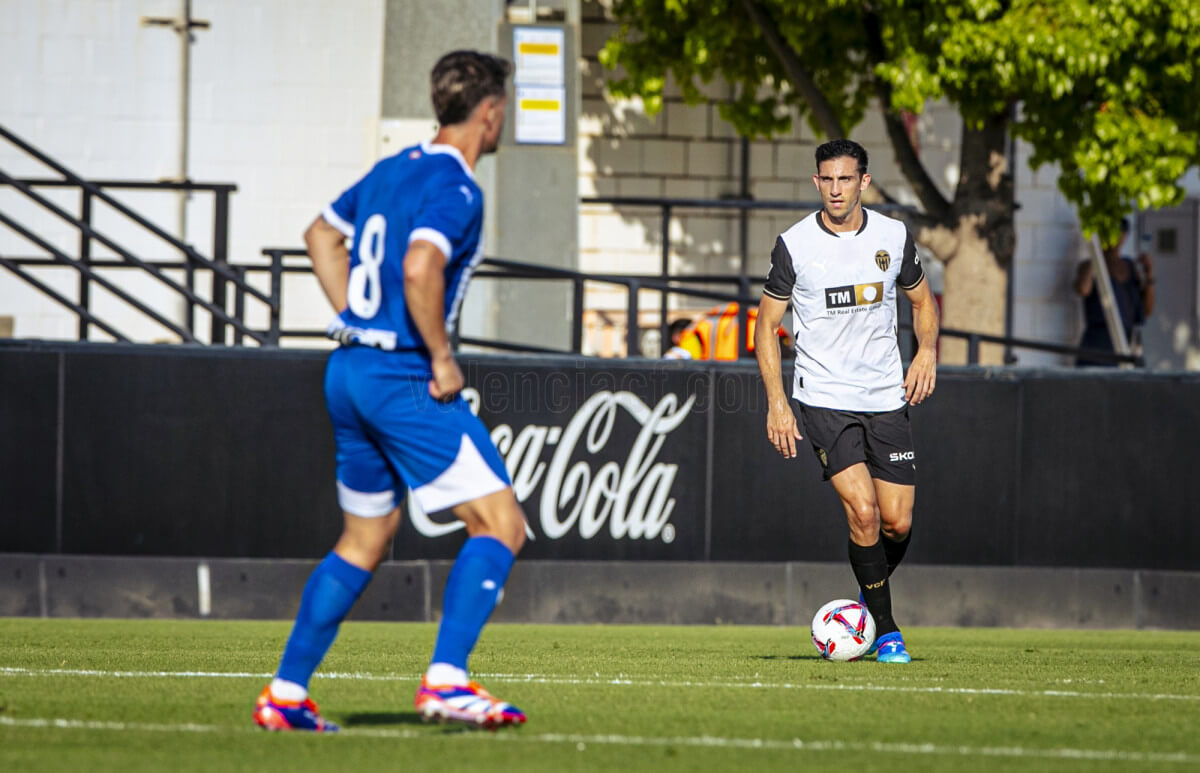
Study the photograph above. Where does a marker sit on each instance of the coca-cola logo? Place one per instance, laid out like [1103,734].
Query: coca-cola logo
[632,499]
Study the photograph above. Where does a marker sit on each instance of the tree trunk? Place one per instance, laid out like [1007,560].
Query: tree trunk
[981,244]
[973,296]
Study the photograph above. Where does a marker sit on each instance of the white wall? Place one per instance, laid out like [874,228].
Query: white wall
[1049,247]
[285,103]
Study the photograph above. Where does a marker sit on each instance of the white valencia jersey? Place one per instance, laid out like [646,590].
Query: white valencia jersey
[842,288]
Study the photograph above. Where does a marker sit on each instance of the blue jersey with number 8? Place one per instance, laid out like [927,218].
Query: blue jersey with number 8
[423,192]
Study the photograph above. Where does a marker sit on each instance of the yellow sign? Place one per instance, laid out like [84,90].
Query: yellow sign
[540,104]
[550,49]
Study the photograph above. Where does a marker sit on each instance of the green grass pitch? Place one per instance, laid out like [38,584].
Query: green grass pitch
[95,695]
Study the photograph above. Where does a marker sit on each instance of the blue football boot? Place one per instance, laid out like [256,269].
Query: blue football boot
[272,713]
[891,649]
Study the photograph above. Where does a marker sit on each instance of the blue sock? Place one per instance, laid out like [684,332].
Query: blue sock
[472,591]
[331,591]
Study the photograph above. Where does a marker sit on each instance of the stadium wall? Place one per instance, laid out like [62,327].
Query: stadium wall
[227,453]
[1045,498]
[610,592]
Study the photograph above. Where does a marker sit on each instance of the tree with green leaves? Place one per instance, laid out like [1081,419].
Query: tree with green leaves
[1106,89]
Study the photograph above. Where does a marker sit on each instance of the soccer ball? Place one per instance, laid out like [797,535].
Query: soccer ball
[843,630]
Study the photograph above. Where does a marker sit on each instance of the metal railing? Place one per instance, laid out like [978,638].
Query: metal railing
[667,207]
[92,191]
[226,275]
[501,269]
[496,268]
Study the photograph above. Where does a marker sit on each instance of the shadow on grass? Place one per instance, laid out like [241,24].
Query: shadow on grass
[375,718]
[813,656]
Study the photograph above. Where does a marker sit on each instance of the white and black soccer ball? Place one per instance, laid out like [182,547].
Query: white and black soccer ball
[843,630]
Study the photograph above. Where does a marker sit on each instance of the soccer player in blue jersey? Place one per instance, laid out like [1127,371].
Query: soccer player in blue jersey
[392,391]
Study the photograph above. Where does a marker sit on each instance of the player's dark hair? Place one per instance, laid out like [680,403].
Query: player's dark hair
[838,149]
[462,79]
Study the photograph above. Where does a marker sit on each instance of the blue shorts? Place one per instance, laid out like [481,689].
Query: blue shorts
[392,436]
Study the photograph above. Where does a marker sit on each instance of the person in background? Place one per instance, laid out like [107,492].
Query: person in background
[1133,290]
[675,333]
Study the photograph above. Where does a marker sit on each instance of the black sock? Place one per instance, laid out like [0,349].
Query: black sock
[895,550]
[870,567]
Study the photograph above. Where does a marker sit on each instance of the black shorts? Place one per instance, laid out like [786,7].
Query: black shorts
[844,438]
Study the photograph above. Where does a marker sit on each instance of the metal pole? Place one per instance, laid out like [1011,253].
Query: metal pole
[1010,270]
[85,257]
[743,213]
[239,305]
[183,26]
[744,246]
[577,315]
[273,329]
[185,101]
[220,257]
[665,276]
[633,346]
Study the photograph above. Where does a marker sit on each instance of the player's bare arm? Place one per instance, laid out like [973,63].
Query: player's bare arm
[782,430]
[922,372]
[425,292]
[330,259]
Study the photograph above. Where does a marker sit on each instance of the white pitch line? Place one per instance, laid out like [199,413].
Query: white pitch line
[615,681]
[580,741]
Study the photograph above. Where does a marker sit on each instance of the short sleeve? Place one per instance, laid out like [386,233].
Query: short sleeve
[450,217]
[911,271]
[340,214]
[782,276]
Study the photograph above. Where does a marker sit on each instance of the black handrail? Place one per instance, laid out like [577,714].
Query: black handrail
[666,206]
[96,191]
[61,258]
[49,291]
[724,203]
[222,273]
[157,273]
[498,268]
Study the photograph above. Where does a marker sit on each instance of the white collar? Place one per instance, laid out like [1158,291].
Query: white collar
[431,147]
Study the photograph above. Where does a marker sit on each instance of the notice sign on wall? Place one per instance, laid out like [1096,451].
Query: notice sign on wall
[540,80]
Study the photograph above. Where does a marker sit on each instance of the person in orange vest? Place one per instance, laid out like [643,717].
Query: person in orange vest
[675,332]
[713,336]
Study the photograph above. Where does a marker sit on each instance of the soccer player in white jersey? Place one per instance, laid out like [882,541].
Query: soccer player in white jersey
[392,391]
[839,268]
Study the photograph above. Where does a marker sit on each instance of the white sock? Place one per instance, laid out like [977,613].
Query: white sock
[288,691]
[445,674]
